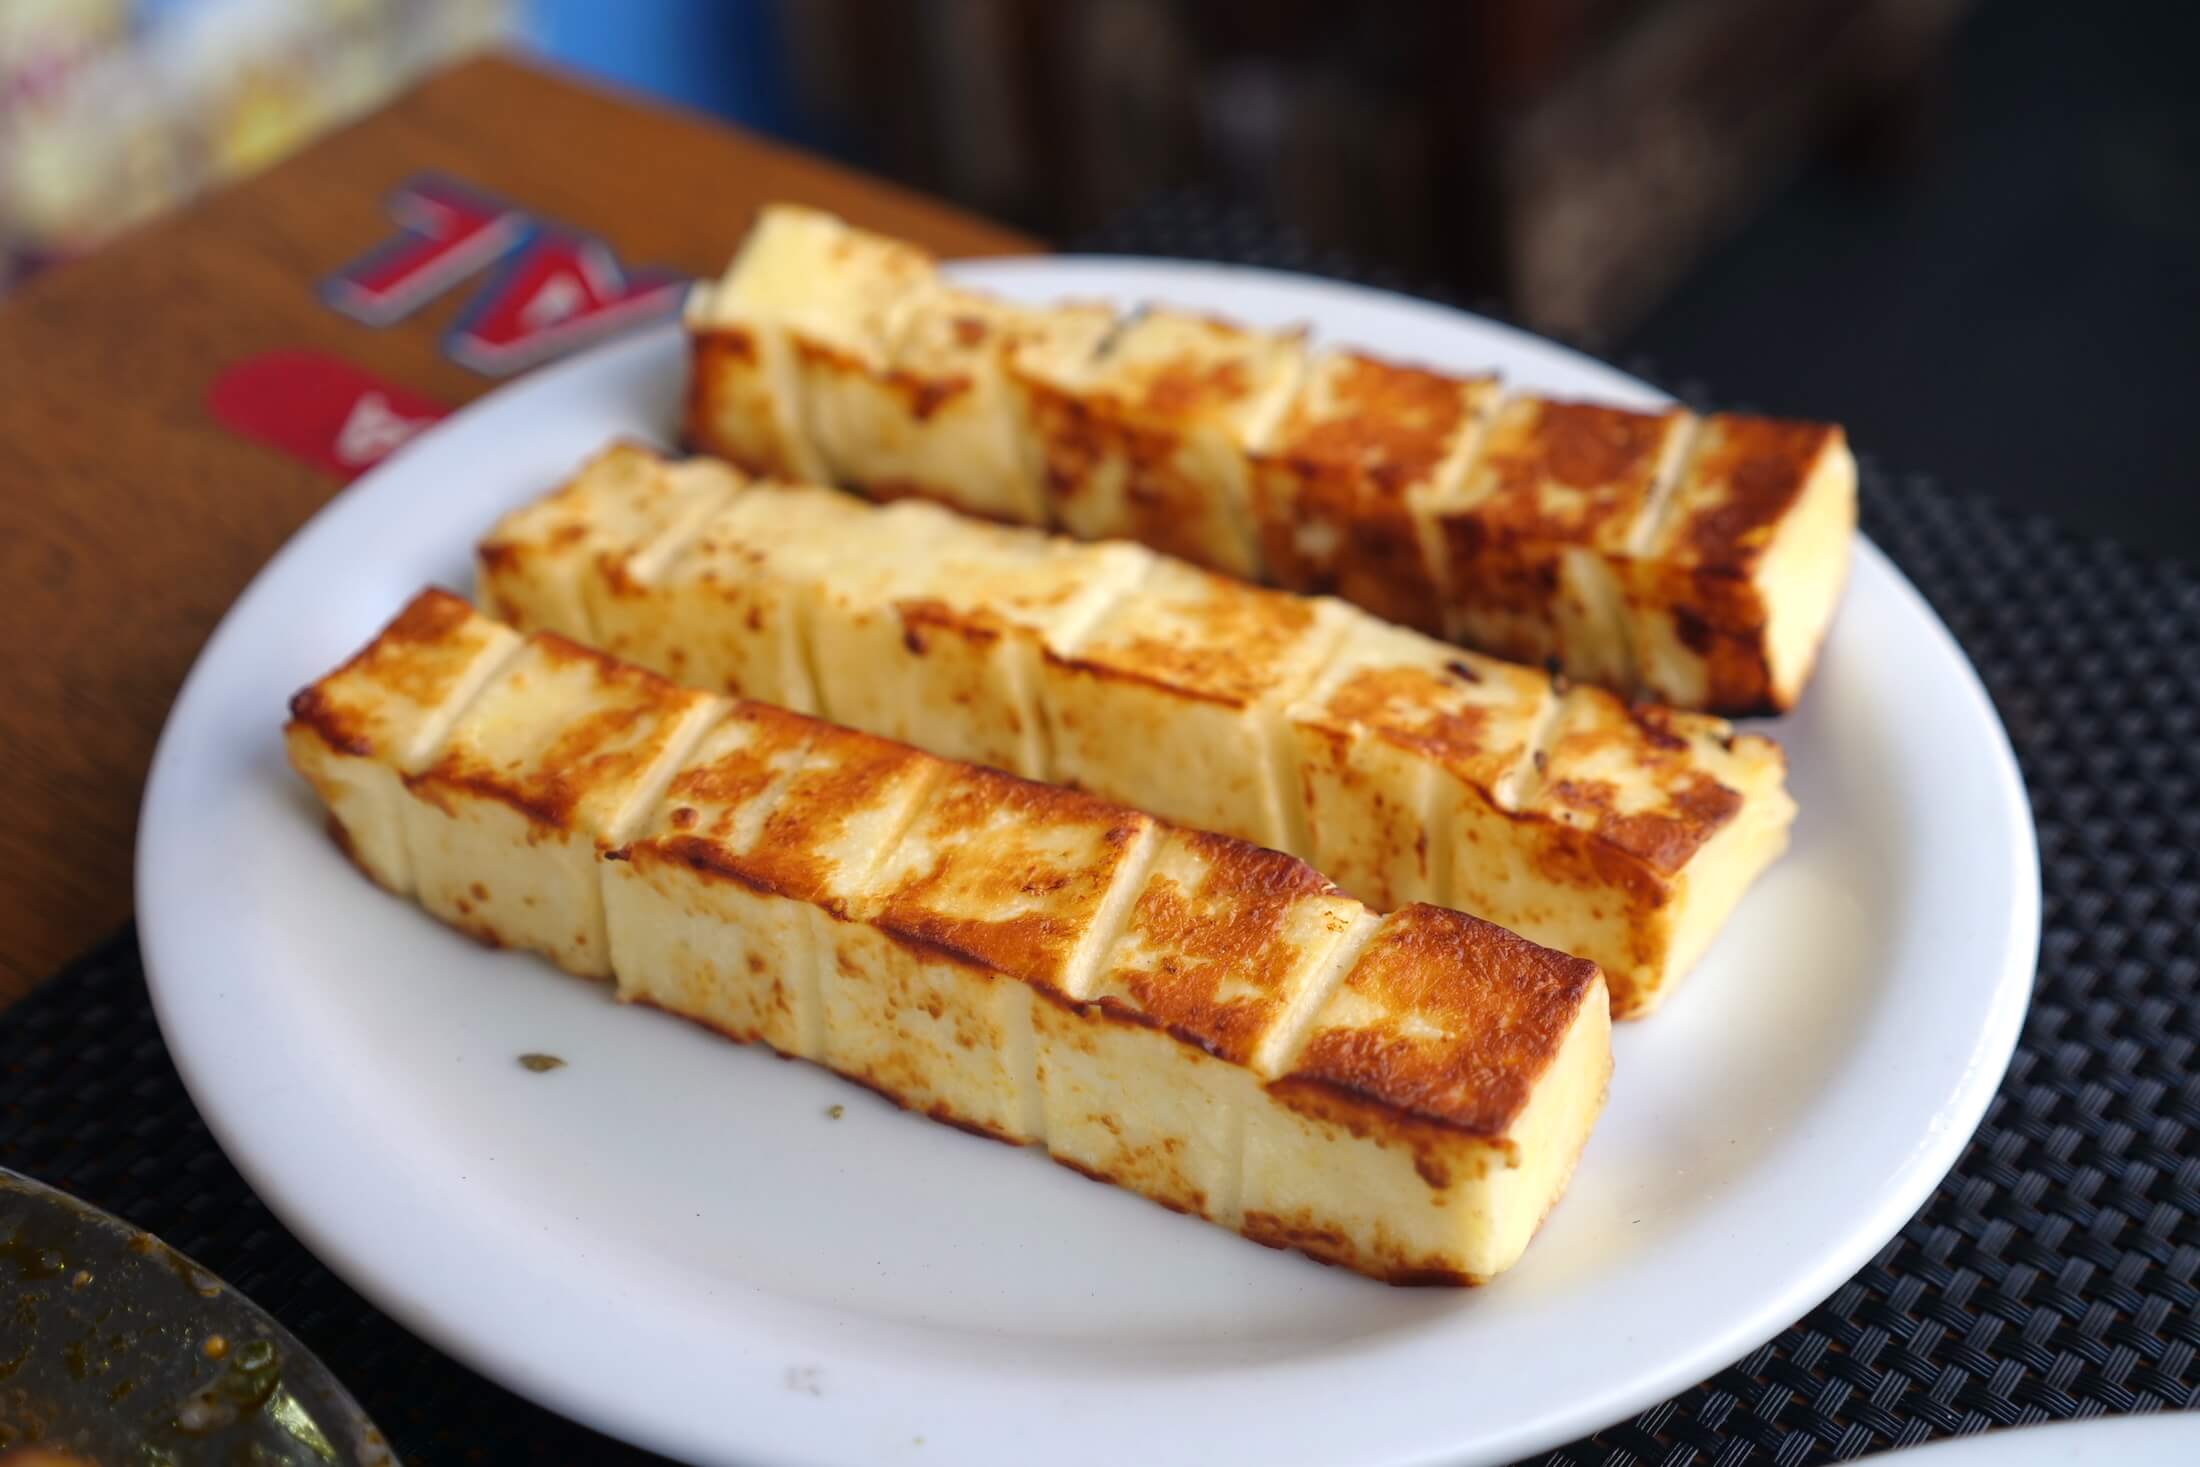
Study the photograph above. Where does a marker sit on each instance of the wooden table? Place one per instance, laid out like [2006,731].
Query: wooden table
[130,518]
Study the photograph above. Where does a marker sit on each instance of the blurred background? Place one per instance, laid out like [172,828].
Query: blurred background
[1970,229]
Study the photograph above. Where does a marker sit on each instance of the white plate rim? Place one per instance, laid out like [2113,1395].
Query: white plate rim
[168,960]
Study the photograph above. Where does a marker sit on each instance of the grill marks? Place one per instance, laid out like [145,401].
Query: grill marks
[1534,528]
[1402,767]
[1021,960]
[1453,1043]
[1747,475]
[398,696]
[1148,436]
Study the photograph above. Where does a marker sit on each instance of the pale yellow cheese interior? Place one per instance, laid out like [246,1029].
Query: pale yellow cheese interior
[1018,959]
[1802,572]
[1403,767]
[829,352]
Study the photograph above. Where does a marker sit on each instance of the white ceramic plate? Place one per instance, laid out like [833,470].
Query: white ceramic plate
[2161,1439]
[672,1240]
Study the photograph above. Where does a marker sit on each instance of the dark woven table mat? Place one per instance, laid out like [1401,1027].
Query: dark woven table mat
[2052,1275]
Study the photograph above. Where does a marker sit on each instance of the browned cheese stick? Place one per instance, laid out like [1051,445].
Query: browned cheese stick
[1189,1016]
[1695,561]
[1401,767]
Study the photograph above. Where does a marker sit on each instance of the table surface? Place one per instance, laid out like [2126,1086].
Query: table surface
[131,519]
[2053,1275]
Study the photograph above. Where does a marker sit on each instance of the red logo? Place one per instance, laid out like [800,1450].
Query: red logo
[561,290]
[448,232]
[557,290]
[319,408]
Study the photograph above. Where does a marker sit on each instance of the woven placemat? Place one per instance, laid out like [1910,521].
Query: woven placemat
[2052,1275]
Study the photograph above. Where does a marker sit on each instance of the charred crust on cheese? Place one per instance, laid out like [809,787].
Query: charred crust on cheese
[1224,935]
[591,752]
[734,343]
[1078,432]
[819,802]
[1376,559]
[1193,1203]
[1113,671]
[1603,459]
[1228,656]
[546,801]
[1699,809]
[717,355]
[414,657]
[1034,945]
[1590,835]
[1721,618]
[426,622]
[1760,466]
[1389,427]
[1210,950]
[963,945]
[921,394]
[734,776]
[1405,706]
[500,556]
[944,1114]
[1326,1245]
[1466,1073]
[699,1021]
[1656,725]
[312,708]
[976,625]
[1184,387]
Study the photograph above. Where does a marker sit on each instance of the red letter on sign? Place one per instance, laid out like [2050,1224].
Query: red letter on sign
[561,290]
[449,232]
[319,408]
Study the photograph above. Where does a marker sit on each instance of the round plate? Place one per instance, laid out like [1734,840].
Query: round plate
[727,1258]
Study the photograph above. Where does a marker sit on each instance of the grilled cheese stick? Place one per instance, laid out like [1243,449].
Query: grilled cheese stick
[1734,583]
[1542,531]
[1529,536]
[933,628]
[739,954]
[558,752]
[836,354]
[632,499]
[358,733]
[1222,960]
[1340,491]
[1150,436]
[708,602]
[808,309]
[1402,767]
[1200,1020]
[1170,699]
[1409,754]
[1387,1029]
